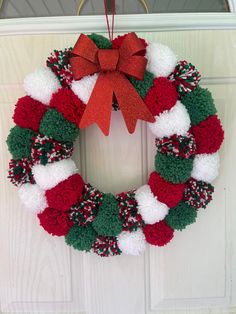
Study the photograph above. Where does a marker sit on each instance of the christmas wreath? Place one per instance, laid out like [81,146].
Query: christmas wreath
[83,85]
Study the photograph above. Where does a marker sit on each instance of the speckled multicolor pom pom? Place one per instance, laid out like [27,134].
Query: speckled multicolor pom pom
[85,211]
[20,171]
[198,193]
[177,145]
[59,63]
[185,77]
[47,150]
[106,246]
[131,219]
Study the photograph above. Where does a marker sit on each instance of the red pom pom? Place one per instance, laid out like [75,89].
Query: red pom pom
[161,96]
[66,193]
[116,43]
[55,221]
[28,113]
[68,104]
[159,233]
[208,134]
[166,192]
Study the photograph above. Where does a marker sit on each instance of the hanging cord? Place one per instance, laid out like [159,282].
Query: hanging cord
[110,31]
[82,3]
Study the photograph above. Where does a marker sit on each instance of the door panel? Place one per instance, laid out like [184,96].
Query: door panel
[196,272]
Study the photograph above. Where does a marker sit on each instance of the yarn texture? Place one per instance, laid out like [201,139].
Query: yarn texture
[173,169]
[56,126]
[200,104]
[108,222]
[181,216]
[19,142]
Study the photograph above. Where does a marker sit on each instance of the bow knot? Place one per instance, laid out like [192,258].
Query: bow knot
[112,65]
[108,59]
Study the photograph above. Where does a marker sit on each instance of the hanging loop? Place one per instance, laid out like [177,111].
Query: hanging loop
[110,31]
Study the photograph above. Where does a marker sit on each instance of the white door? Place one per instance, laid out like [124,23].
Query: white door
[195,273]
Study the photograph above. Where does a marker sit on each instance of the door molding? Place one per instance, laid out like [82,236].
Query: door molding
[123,23]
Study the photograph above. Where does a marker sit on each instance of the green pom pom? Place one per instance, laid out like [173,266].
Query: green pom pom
[100,41]
[81,238]
[199,104]
[19,142]
[107,222]
[181,216]
[173,169]
[142,87]
[56,126]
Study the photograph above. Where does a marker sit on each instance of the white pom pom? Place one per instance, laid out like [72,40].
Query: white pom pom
[206,167]
[173,121]
[41,84]
[132,243]
[161,59]
[84,87]
[33,197]
[149,207]
[50,175]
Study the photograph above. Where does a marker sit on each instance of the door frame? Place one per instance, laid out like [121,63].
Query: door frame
[123,23]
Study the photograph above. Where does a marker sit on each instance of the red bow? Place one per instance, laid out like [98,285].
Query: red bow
[112,65]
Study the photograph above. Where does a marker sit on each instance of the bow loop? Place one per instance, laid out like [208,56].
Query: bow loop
[85,48]
[131,46]
[133,66]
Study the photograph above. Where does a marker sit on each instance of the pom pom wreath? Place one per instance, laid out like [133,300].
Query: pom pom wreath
[161,96]
[116,43]
[173,169]
[59,63]
[161,59]
[33,197]
[28,113]
[68,104]
[206,167]
[20,171]
[45,150]
[56,126]
[174,121]
[54,221]
[200,104]
[100,41]
[41,84]
[187,132]
[132,243]
[166,192]
[209,135]
[128,206]
[177,145]
[107,222]
[19,142]
[181,216]
[106,246]
[83,88]
[143,86]
[150,208]
[158,234]
[185,77]
[66,193]
[81,238]
[86,209]
[198,193]
[50,175]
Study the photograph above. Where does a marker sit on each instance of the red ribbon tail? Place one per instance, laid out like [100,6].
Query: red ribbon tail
[131,104]
[99,107]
